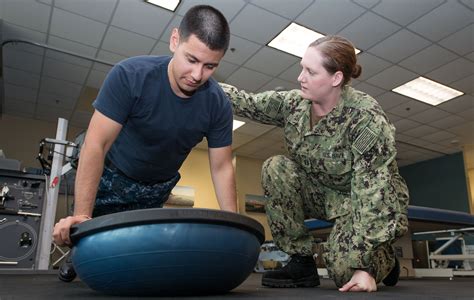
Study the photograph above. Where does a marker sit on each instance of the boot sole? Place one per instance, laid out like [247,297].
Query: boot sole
[310,281]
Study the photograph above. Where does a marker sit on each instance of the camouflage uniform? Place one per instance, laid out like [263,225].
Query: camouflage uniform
[118,193]
[342,170]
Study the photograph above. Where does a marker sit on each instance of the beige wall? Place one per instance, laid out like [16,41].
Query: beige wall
[20,137]
[468,153]
[248,180]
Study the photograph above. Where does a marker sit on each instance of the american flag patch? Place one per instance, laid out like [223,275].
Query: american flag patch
[273,107]
[365,140]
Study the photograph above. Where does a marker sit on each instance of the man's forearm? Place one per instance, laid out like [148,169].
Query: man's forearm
[224,184]
[89,171]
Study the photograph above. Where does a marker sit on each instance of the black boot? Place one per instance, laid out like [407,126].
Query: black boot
[67,272]
[394,275]
[301,271]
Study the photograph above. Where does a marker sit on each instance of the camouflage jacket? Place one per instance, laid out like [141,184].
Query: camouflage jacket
[351,152]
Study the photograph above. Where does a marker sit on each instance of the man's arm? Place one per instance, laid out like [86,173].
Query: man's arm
[101,133]
[222,173]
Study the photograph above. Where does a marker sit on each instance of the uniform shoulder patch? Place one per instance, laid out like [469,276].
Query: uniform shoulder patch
[273,107]
[365,140]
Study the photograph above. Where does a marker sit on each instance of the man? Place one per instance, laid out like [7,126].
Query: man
[149,114]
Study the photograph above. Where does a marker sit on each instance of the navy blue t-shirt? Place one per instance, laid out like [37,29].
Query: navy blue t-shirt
[159,128]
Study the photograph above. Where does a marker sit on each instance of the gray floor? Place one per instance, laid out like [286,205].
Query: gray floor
[47,286]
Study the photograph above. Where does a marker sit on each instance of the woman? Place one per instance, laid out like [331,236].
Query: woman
[341,167]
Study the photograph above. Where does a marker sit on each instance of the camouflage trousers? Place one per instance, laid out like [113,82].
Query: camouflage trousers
[118,193]
[292,198]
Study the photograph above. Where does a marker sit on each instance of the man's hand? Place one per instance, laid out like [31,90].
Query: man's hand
[61,229]
[361,281]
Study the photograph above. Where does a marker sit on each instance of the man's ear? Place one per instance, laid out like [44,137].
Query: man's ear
[174,40]
[337,78]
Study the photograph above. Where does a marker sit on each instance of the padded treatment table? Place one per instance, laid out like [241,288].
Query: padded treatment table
[420,219]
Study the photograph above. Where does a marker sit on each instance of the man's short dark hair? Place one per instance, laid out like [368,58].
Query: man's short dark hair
[208,24]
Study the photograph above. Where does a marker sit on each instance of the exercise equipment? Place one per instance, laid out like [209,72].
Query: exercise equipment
[166,251]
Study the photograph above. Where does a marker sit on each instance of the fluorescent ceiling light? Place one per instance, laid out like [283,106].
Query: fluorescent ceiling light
[295,38]
[237,124]
[168,4]
[427,91]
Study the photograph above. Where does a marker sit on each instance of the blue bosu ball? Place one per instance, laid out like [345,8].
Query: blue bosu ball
[166,251]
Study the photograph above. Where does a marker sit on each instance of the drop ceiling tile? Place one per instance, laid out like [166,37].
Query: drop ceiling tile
[366,3]
[250,18]
[461,42]
[390,48]
[228,8]
[161,48]
[391,77]
[470,56]
[22,60]
[430,115]
[467,114]
[371,65]
[409,108]
[51,113]
[435,25]
[20,93]
[151,21]
[465,85]
[255,129]
[369,89]
[403,125]
[447,122]
[21,78]
[404,12]
[458,104]
[439,136]
[71,46]
[30,14]
[358,30]
[400,137]
[453,71]
[239,139]
[393,117]
[166,35]
[248,80]
[60,87]
[468,3]
[109,57]
[59,102]
[77,28]
[127,43]
[14,32]
[270,61]
[224,70]
[284,8]
[421,131]
[96,78]
[64,71]
[80,119]
[280,84]
[243,50]
[391,99]
[428,59]
[327,18]
[98,10]
[463,130]
[276,134]
[292,73]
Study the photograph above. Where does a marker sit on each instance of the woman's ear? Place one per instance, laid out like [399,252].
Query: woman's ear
[174,40]
[337,78]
